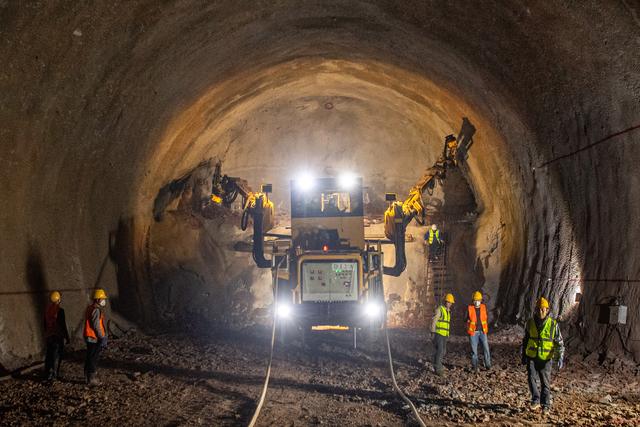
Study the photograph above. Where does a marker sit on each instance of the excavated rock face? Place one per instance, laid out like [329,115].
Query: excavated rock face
[104,105]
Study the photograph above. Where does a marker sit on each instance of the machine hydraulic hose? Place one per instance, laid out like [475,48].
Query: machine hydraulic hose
[260,208]
[397,236]
[396,388]
[265,386]
[395,384]
[399,214]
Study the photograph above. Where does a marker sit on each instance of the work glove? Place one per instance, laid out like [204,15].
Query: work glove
[103,342]
[561,363]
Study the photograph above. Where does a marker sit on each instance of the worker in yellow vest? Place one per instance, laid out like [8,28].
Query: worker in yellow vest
[434,242]
[542,343]
[440,326]
[478,328]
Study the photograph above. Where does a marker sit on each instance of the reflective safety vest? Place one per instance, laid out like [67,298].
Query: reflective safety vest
[51,320]
[88,329]
[472,322]
[442,325]
[540,344]
[433,234]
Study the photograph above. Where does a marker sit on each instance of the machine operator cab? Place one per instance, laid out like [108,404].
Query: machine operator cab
[331,268]
[327,212]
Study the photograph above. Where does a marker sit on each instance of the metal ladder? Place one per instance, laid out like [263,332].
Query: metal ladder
[437,277]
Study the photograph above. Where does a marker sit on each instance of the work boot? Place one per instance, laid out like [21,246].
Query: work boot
[534,406]
[546,410]
[92,380]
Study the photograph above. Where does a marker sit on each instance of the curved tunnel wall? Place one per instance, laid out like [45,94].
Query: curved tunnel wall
[102,105]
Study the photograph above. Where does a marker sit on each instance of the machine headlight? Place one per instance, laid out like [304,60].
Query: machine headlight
[305,182]
[283,311]
[347,180]
[372,309]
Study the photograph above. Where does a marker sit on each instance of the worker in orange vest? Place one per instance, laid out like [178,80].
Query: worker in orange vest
[95,335]
[478,328]
[55,334]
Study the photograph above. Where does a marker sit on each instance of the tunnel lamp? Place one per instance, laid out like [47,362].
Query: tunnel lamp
[305,182]
[372,309]
[283,311]
[347,180]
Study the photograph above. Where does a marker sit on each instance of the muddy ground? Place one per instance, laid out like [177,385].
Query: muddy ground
[170,380]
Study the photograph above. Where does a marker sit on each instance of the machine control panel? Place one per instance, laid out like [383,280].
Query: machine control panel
[330,281]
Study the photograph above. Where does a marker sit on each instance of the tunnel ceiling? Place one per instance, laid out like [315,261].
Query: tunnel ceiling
[103,104]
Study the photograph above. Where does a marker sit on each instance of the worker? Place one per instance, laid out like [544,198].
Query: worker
[440,326]
[95,335]
[542,342]
[55,334]
[432,239]
[478,328]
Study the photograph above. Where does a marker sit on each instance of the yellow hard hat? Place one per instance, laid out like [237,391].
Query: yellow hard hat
[99,294]
[449,298]
[477,296]
[54,296]
[542,302]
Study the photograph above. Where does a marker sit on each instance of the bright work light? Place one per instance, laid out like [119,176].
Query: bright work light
[284,311]
[347,180]
[305,182]
[372,309]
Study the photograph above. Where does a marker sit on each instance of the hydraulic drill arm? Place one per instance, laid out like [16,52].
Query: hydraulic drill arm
[399,214]
[256,205]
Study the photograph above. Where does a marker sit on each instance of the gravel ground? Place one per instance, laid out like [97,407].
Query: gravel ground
[215,380]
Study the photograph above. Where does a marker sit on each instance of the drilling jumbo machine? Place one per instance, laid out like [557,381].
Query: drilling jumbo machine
[327,274]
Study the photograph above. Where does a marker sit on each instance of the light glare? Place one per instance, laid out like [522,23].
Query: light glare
[305,182]
[372,309]
[283,311]
[347,180]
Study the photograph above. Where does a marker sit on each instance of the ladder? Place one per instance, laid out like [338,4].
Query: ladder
[437,280]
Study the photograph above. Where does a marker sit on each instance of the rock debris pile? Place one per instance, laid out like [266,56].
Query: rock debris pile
[214,380]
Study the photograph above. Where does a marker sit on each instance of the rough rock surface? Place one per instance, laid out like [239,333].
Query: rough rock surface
[215,380]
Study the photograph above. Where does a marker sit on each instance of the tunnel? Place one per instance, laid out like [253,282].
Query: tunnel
[114,115]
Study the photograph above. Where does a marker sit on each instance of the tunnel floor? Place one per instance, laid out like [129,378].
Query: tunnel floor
[215,380]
